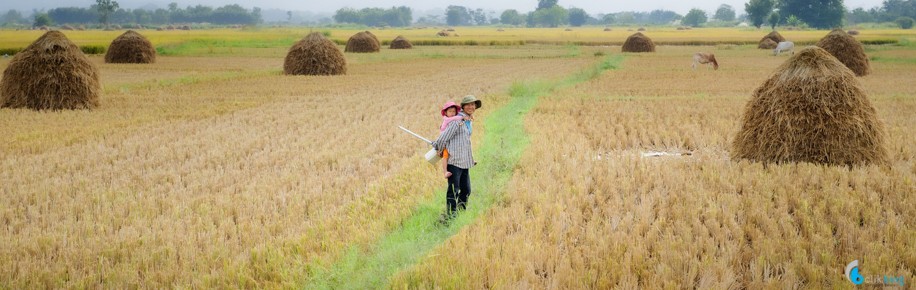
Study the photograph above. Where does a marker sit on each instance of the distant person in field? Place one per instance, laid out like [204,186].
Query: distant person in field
[449,114]
[456,138]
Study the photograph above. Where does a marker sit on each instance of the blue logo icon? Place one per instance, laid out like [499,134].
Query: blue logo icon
[852,273]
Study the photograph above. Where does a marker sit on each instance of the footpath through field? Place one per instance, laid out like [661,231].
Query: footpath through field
[498,154]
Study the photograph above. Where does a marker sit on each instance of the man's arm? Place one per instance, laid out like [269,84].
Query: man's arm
[447,135]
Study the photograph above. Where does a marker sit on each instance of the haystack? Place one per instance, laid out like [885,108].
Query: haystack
[315,55]
[607,29]
[50,74]
[638,43]
[442,33]
[853,32]
[773,36]
[812,109]
[130,47]
[641,29]
[363,41]
[767,43]
[846,49]
[400,43]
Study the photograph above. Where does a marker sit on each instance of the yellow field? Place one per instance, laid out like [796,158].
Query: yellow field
[587,210]
[213,169]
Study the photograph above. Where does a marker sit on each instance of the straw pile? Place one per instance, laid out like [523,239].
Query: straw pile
[638,43]
[315,55]
[767,43]
[130,47]
[846,49]
[400,43]
[363,41]
[812,109]
[774,39]
[50,74]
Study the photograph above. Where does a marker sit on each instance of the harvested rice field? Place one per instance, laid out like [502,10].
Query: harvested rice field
[211,168]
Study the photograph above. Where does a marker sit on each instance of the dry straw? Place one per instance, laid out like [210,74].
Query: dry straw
[50,74]
[846,49]
[638,43]
[812,109]
[774,39]
[130,47]
[363,41]
[315,55]
[400,43]
[767,43]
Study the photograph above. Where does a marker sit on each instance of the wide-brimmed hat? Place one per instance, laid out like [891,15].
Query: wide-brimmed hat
[471,99]
[449,105]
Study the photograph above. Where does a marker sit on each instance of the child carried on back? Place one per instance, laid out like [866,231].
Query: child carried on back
[449,114]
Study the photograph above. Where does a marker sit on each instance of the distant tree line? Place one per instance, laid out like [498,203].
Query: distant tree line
[229,14]
[826,13]
[890,11]
[396,16]
[815,13]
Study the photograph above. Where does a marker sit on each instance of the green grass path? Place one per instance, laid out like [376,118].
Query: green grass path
[498,154]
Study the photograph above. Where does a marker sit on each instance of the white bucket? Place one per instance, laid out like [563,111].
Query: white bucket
[433,157]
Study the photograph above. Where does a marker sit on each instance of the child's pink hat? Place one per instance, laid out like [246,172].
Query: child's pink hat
[449,105]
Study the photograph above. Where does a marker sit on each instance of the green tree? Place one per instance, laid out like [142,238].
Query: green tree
[12,17]
[893,9]
[817,13]
[725,13]
[793,21]
[773,20]
[42,19]
[577,16]
[859,15]
[546,4]
[758,10]
[550,17]
[904,22]
[105,8]
[626,17]
[457,15]
[511,17]
[609,18]
[694,18]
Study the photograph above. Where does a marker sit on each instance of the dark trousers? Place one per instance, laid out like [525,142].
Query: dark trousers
[459,188]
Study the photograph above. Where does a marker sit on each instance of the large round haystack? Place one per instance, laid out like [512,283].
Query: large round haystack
[812,109]
[315,55]
[846,49]
[50,74]
[774,36]
[130,47]
[363,41]
[638,43]
[400,43]
[767,43]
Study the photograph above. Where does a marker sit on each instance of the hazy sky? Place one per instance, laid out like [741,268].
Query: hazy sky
[592,6]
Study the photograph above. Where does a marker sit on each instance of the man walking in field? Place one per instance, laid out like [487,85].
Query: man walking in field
[457,139]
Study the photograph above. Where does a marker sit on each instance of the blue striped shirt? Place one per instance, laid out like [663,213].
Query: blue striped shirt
[457,139]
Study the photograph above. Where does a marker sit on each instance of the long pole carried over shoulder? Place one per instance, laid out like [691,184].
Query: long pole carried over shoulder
[416,135]
[432,156]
